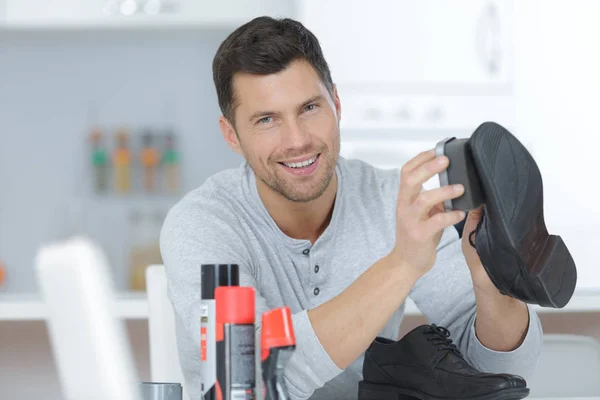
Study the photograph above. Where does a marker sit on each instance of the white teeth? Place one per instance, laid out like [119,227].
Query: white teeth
[302,164]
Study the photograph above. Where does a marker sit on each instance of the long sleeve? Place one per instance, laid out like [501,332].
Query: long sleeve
[445,296]
[189,239]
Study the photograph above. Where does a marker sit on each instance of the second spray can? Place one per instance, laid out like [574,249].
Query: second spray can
[236,373]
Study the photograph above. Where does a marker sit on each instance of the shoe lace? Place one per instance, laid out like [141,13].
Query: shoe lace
[474,232]
[440,336]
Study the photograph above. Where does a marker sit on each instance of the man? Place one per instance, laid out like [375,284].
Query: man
[343,244]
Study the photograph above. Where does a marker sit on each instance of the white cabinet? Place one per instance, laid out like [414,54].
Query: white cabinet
[32,14]
[410,66]
[415,44]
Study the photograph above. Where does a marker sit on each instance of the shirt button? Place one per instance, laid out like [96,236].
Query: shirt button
[316,291]
[316,269]
[306,251]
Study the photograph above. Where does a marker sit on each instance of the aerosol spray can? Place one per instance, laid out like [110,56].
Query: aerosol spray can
[236,360]
[212,276]
[278,343]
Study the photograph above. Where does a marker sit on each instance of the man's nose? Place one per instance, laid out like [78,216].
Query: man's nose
[295,135]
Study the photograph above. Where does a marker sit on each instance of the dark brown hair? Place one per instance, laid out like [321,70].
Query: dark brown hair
[264,46]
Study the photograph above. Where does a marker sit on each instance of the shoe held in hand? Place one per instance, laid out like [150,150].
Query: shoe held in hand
[521,257]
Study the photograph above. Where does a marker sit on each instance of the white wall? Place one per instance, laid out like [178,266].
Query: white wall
[557,86]
[49,83]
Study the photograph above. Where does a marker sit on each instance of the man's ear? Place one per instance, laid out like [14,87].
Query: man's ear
[229,134]
[337,103]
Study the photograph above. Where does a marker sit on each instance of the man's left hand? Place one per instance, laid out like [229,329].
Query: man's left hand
[481,279]
[502,321]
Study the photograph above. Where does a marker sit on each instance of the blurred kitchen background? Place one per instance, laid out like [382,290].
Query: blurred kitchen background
[108,115]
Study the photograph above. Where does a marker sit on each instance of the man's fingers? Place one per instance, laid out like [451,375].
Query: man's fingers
[441,221]
[419,159]
[426,171]
[412,182]
[437,208]
[428,201]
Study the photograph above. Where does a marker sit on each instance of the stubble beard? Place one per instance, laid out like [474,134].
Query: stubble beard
[275,179]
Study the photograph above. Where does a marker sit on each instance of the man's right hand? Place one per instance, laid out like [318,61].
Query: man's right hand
[420,215]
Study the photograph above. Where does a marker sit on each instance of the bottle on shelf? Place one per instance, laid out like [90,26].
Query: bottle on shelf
[145,225]
[171,164]
[2,273]
[122,163]
[2,270]
[99,161]
[150,160]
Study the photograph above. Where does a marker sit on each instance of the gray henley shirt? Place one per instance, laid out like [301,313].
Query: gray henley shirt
[224,221]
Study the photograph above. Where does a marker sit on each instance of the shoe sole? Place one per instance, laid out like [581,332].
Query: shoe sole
[369,391]
[547,273]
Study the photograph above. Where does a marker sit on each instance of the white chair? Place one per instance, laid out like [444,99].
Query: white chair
[92,354]
[569,366]
[164,357]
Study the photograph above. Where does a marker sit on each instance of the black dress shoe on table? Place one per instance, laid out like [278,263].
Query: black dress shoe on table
[426,365]
[521,258]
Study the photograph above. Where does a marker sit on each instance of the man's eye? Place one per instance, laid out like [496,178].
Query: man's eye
[265,120]
[310,107]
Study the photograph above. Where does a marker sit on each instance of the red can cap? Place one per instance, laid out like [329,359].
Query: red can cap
[234,305]
[277,330]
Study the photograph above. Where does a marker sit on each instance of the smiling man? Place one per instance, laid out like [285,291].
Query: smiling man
[342,243]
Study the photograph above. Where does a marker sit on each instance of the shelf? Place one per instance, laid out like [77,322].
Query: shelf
[29,307]
[113,200]
[583,300]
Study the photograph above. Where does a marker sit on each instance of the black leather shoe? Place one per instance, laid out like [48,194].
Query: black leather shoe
[521,258]
[425,364]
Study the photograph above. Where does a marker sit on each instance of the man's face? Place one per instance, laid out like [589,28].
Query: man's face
[288,130]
